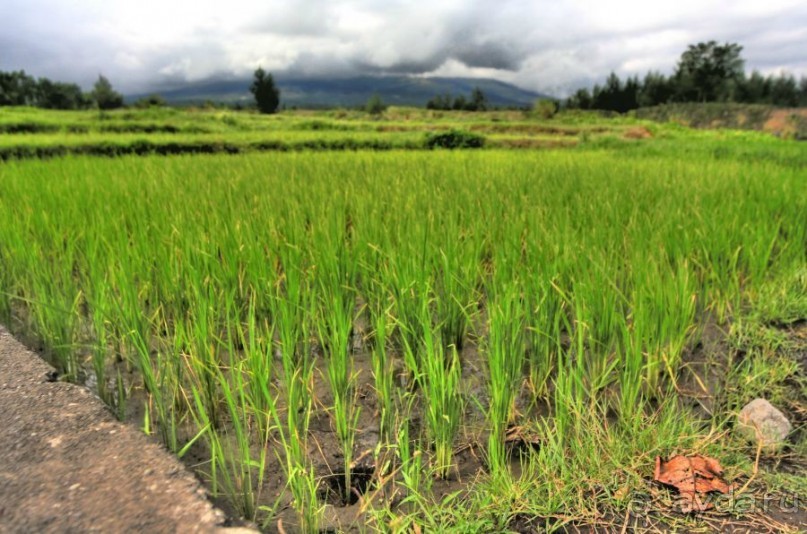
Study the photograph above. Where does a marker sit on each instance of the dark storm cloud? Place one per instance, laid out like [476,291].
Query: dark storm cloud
[404,66]
[546,46]
[492,55]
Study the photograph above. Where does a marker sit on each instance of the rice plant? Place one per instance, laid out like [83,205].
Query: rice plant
[228,288]
[383,375]
[437,372]
[505,357]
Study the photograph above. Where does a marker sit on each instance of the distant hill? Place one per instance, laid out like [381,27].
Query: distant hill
[351,92]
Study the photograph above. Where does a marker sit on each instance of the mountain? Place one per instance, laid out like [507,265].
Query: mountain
[351,92]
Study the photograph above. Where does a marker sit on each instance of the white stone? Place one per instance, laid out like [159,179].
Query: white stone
[760,421]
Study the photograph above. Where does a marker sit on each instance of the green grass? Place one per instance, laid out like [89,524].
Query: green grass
[422,303]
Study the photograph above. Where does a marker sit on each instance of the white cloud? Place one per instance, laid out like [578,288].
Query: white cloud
[538,45]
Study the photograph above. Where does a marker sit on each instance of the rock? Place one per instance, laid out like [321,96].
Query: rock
[759,420]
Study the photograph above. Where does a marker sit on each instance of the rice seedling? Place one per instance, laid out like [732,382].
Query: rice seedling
[437,372]
[383,375]
[633,370]
[229,285]
[543,317]
[293,307]
[100,348]
[235,468]
[161,381]
[663,312]
[256,340]
[505,358]
[335,327]
[456,274]
[410,456]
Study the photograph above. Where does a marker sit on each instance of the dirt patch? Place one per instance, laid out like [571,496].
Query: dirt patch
[532,129]
[528,143]
[66,465]
[785,122]
[639,132]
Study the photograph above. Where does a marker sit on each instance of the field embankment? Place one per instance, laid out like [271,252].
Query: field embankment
[781,122]
[67,465]
[30,133]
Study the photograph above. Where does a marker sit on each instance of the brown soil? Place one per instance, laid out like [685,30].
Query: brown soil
[781,122]
[639,132]
[66,465]
[534,143]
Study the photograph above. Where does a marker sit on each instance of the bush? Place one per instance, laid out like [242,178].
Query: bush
[28,128]
[104,96]
[545,109]
[800,126]
[150,101]
[454,139]
[375,106]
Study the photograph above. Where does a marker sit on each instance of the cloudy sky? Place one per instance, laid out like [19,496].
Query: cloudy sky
[550,46]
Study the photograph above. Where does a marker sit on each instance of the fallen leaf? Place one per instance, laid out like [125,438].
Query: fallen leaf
[693,477]
[521,434]
[519,437]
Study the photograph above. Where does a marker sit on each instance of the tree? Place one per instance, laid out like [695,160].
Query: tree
[784,91]
[629,96]
[104,96]
[59,95]
[706,72]
[755,89]
[581,99]
[460,103]
[267,95]
[656,89]
[151,101]
[479,102]
[608,97]
[476,102]
[803,91]
[375,106]
[17,89]
[709,72]
[442,102]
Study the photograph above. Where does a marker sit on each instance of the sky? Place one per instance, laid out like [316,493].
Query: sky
[547,46]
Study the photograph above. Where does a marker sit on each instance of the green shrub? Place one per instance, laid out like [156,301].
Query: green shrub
[454,139]
[800,124]
[544,108]
[27,128]
[375,106]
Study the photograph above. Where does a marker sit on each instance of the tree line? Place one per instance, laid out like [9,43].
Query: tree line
[476,102]
[20,89]
[706,72]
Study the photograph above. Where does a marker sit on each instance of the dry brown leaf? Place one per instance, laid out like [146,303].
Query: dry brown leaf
[522,437]
[520,434]
[693,477]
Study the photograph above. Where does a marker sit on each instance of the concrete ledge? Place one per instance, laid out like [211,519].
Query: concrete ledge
[67,465]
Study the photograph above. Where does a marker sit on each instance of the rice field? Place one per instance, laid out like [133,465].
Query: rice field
[405,340]
[33,133]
